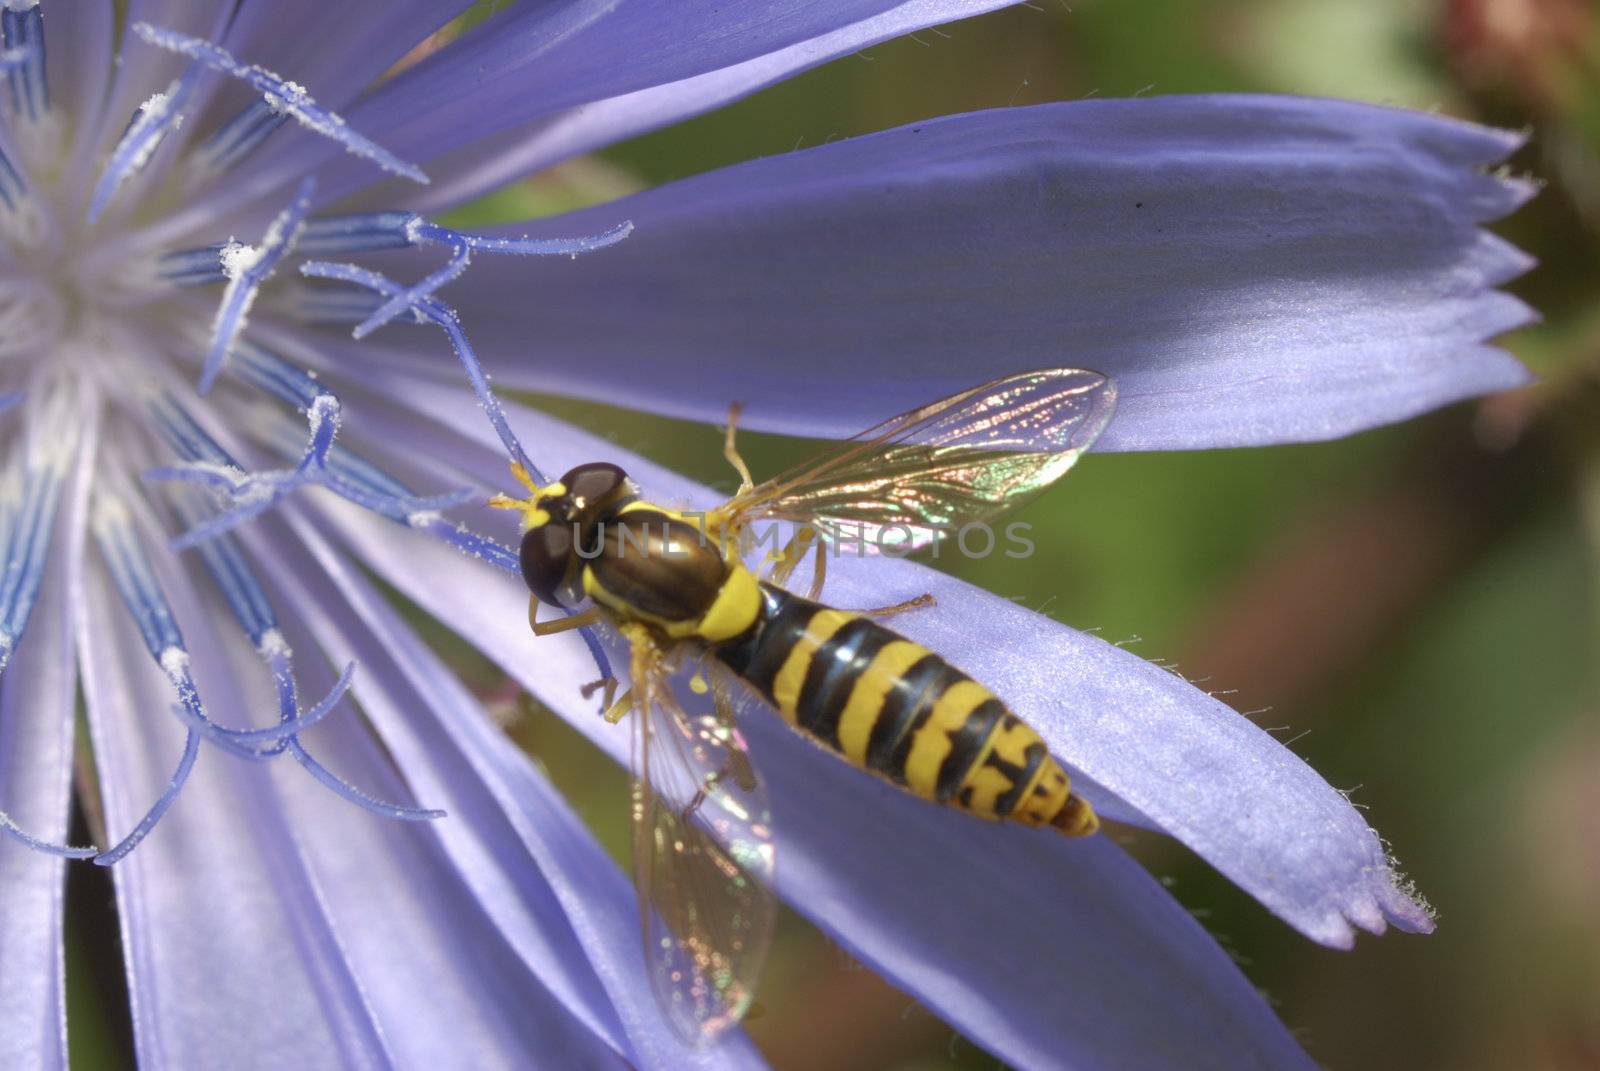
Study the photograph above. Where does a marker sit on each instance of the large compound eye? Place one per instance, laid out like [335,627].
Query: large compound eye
[548,563]
[597,483]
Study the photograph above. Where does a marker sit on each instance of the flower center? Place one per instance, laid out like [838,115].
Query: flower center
[111,301]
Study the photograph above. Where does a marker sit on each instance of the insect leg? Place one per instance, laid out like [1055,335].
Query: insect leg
[819,571]
[698,798]
[917,603]
[619,710]
[736,762]
[642,646]
[607,683]
[591,616]
[519,472]
[790,557]
[732,454]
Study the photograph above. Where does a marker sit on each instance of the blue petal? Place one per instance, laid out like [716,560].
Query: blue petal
[538,59]
[248,914]
[1248,269]
[219,918]
[333,51]
[141,70]
[78,37]
[481,944]
[1100,930]
[38,695]
[538,875]
[36,704]
[319,45]
[541,83]
[493,160]
[1161,753]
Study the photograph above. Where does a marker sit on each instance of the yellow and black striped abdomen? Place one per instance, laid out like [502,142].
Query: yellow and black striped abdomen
[896,708]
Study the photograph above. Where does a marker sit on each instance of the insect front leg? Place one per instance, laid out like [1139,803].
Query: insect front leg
[591,616]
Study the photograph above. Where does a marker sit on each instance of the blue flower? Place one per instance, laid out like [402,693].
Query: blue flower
[1249,270]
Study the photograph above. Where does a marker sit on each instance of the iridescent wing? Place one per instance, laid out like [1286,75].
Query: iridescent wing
[924,474]
[702,858]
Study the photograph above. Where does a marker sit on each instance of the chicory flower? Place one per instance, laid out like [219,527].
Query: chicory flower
[200,474]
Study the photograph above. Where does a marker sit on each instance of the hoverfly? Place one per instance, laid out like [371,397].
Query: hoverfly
[679,590]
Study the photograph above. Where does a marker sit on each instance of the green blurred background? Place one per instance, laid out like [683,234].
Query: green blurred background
[1414,606]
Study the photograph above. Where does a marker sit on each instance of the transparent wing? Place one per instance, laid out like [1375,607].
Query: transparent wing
[702,859]
[961,460]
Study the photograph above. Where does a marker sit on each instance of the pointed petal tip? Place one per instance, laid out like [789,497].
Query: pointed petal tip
[1509,140]
[1402,903]
[1502,262]
[1520,188]
[1289,270]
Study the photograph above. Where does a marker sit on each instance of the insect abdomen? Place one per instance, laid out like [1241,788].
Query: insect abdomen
[894,707]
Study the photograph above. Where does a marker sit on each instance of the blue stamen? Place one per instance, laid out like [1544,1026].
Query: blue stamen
[355,478]
[283,676]
[26,537]
[358,480]
[281,96]
[195,267]
[359,233]
[143,599]
[424,231]
[12,188]
[467,542]
[459,536]
[233,578]
[151,123]
[250,494]
[239,137]
[27,552]
[293,723]
[402,509]
[447,320]
[187,437]
[246,272]
[11,829]
[341,305]
[142,596]
[22,30]
[406,299]
[136,582]
[357,471]
[251,608]
[115,854]
[399,230]
[266,371]
[240,742]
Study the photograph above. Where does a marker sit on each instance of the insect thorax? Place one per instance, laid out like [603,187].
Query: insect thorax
[650,564]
